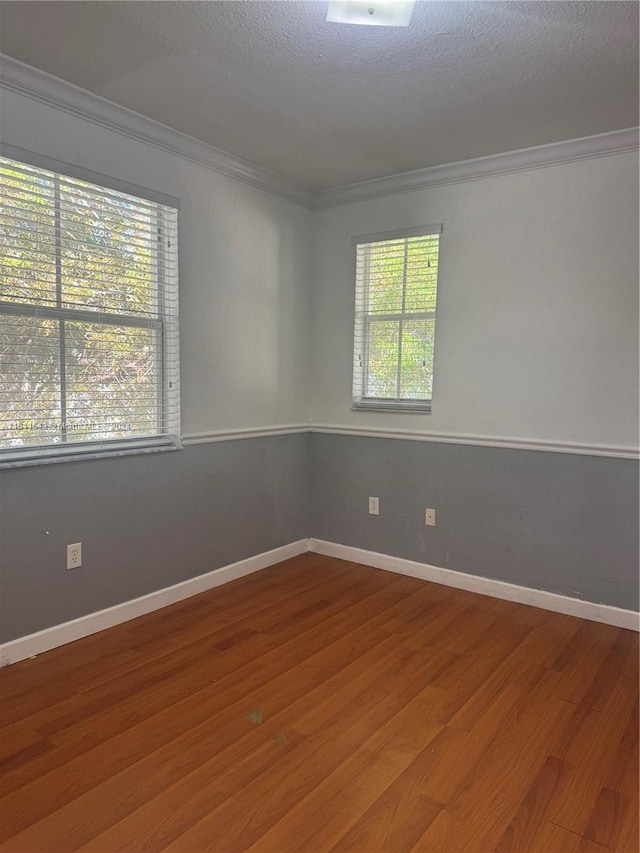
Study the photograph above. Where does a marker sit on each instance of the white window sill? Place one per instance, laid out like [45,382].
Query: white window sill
[418,407]
[44,458]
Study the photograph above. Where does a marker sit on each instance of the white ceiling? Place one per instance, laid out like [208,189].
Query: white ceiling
[328,104]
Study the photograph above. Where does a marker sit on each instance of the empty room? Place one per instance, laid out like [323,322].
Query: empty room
[319,505]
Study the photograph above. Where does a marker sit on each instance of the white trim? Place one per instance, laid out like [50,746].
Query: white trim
[235,434]
[609,450]
[59,635]
[508,442]
[605,450]
[617,616]
[106,453]
[39,86]
[524,159]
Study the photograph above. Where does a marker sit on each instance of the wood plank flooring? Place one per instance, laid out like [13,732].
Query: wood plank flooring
[322,705]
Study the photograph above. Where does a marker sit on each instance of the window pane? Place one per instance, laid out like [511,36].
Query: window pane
[108,249]
[112,377]
[30,386]
[27,236]
[422,274]
[386,275]
[89,344]
[417,359]
[382,373]
[395,306]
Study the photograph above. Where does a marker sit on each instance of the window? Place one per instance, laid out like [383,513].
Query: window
[396,287]
[88,318]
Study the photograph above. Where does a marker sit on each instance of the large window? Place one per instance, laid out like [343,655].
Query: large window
[395,316]
[88,318]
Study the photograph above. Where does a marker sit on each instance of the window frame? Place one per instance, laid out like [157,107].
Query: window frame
[164,324]
[363,320]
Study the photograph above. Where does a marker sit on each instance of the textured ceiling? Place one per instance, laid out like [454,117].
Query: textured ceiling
[328,104]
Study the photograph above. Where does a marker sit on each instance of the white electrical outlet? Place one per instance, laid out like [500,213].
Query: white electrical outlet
[430,517]
[74,555]
[374,506]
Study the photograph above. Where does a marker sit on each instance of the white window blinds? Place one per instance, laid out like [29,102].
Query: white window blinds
[395,314]
[88,318]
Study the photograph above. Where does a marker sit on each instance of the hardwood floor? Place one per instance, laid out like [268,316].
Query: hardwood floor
[322,705]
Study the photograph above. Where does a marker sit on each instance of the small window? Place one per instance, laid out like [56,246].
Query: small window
[88,318]
[395,316]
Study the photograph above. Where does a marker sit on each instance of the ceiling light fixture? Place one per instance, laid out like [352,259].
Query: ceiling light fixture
[387,13]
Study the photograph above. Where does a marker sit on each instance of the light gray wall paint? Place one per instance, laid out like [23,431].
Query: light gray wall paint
[245,266]
[537,320]
[145,522]
[564,523]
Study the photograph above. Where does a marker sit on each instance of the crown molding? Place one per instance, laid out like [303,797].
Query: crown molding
[39,86]
[524,159]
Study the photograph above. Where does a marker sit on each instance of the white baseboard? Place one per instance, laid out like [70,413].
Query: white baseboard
[59,635]
[485,586]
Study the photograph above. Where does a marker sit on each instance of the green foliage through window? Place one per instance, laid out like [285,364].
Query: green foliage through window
[88,312]
[396,289]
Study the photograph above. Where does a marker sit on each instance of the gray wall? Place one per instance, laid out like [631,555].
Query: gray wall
[145,522]
[559,522]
